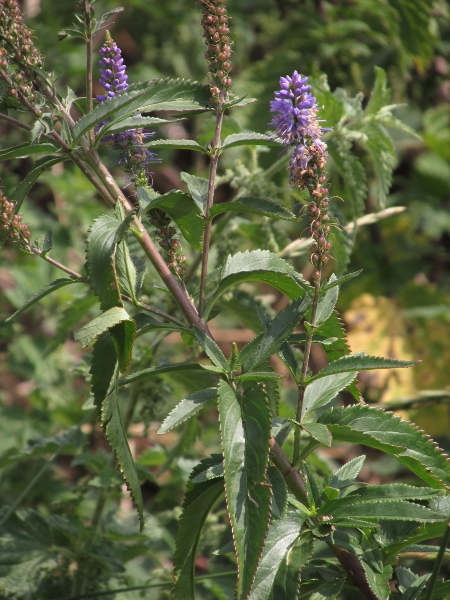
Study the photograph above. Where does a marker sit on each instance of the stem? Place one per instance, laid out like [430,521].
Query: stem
[210,202]
[437,564]
[301,393]
[89,104]
[292,476]
[14,122]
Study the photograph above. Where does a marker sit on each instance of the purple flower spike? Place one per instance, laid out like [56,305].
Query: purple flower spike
[112,72]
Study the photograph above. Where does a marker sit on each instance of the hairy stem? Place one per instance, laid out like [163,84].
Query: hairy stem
[210,201]
[301,393]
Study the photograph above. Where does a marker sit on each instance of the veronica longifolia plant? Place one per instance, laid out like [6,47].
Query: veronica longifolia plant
[280,501]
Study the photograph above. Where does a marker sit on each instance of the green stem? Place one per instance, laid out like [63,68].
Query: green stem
[89,103]
[301,393]
[437,564]
[210,202]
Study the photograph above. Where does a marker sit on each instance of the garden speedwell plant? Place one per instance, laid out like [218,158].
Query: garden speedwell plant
[298,529]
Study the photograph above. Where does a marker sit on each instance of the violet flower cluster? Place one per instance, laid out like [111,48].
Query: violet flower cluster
[297,127]
[134,157]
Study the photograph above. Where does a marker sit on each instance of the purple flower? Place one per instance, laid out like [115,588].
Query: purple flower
[134,156]
[296,124]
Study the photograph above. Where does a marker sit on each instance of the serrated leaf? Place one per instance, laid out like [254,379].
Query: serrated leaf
[199,500]
[327,302]
[277,332]
[48,289]
[245,433]
[89,332]
[112,127]
[181,208]
[258,376]
[403,440]
[248,139]
[393,491]
[24,150]
[287,581]
[337,281]
[112,424]
[146,323]
[198,189]
[382,152]
[361,362]
[209,468]
[347,474]
[258,265]
[103,368]
[328,590]
[152,371]
[258,206]
[238,103]
[67,442]
[382,509]
[319,432]
[176,144]
[169,94]
[279,491]
[130,271]
[211,349]
[378,582]
[188,407]
[320,392]
[282,535]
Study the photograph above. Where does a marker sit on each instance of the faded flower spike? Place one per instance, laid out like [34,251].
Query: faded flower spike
[218,54]
[297,126]
[12,224]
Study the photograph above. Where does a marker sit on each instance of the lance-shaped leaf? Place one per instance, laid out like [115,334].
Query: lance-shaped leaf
[103,237]
[282,534]
[170,94]
[258,206]
[382,430]
[320,392]
[199,500]
[24,150]
[112,127]
[181,208]
[209,468]
[176,144]
[245,433]
[327,303]
[361,362]
[277,332]
[380,509]
[198,189]
[346,475]
[130,270]
[187,408]
[48,289]
[153,371]
[287,581]
[248,139]
[112,424]
[211,349]
[86,334]
[103,368]
[146,323]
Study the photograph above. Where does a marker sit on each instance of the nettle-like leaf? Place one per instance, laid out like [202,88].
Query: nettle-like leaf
[198,189]
[279,491]
[277,332]
[48,289]
[187,408]
[258,265]
[245,433]
[176,144]
[382,430]
[211,349]
[25,150]
[347,474]
[282,535]
[107,320]
[180,207]
[327,302]
[361,362]
[288,578]
[146,323]
[320,392]
[198,501]
[111,421]
[130,270]
[248,139]
[209,468]
[154,371]
[258,206]
[116,126]
[175,95]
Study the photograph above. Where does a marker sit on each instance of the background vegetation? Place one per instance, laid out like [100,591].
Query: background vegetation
[398,307]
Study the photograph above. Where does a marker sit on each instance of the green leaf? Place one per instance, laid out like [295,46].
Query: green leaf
[113,127]
[258,265]
[103,368]
[248,139]
[188,407]
[198,189]
[111,421]
[347,474]
[321,391]
[211,349]
[382,152]
[209,468]
[337,281]
[146,323]
[181,208]
[319,432]
[89,332]
[409,584]
[169,94]
[102,242]
[384,509]
[361,362]
[245,433]
[398,491]
[199,500]
[380,96]
[278,330]
[152,371]
[382,430]
[287,581]
[258,376]
[48,289]
[238,102]
[67,442]
[279,492]
[258,206]
[24,150]
[327,302]
[176,144]
[282,535]
[130,271]
[378,582]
